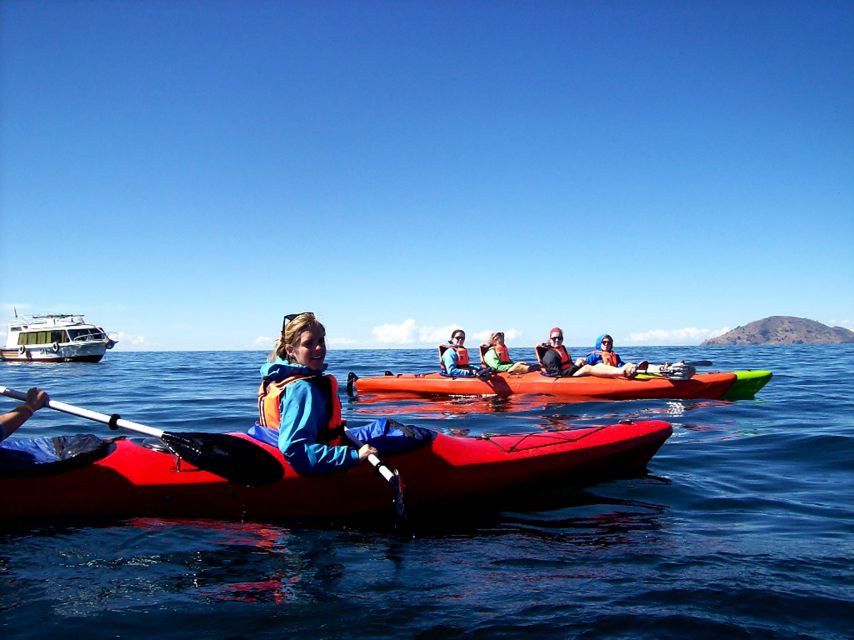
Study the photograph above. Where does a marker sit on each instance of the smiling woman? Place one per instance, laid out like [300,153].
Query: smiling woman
[298,405]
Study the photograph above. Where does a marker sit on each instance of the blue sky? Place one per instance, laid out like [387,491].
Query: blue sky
[185,173]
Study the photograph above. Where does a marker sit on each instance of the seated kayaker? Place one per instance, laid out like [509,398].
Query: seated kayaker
[454,358]
[298,405]
[554,358]
[497,356]
[12,420]
[557,362]
[604,354]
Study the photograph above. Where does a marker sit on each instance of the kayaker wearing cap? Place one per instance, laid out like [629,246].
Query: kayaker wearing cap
[604,353]
[497,357]
[298,405]
[454,358]
[12,420]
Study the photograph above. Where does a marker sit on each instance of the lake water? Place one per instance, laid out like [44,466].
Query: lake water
[742,528]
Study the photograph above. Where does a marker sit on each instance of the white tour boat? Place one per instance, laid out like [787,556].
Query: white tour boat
[55,338]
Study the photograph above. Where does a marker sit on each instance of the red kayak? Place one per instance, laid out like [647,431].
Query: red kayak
[728,386]
[129,479]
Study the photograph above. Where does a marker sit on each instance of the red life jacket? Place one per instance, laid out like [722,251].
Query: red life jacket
[503,353]
[565,360]
[609,357]
[270,404]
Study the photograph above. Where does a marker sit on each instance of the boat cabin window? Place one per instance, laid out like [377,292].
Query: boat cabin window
[85,335]
[41,337]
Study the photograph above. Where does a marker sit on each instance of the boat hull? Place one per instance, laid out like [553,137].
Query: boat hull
[134,480]
[89,352]
[581,389]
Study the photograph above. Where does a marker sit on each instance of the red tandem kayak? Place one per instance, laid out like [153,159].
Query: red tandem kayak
[736,385]
[130,479]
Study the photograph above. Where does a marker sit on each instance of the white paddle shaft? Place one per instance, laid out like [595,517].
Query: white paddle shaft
[86,413]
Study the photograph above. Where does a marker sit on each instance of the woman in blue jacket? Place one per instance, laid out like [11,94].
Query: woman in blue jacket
[298,405]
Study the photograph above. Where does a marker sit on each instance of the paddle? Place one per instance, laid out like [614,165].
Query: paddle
[230,457]
[392,477]
[351,382]
[680,370]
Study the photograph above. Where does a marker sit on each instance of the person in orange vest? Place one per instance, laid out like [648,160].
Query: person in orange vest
[557,362]
[555,358]
[13,420]
[298,406]
[497,356]
[604,353]
[455,358]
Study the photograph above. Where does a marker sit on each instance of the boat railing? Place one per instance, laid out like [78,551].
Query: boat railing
[50,319]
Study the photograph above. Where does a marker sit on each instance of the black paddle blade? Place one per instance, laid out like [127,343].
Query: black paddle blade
[233,458]
[397,487]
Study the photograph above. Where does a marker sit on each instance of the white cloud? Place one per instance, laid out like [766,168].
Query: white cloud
[845,324]
[127,340]
[686,336]
[434,335]
[341,342]
[264,342]
[403,333]
[409,332]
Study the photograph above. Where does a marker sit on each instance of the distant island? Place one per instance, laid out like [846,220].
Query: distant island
[784,330]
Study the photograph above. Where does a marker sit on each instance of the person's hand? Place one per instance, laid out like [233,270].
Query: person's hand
[365,451]
[484,374]
[36,398]
[580,362]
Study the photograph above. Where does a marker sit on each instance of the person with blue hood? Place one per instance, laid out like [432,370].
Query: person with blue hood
[299,410]
[298,406]
[604,353]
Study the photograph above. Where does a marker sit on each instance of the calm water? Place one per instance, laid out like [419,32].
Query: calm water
[742,528]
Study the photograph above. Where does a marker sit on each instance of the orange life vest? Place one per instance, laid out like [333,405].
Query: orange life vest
[270,404]
[609,357]
[462,355]
[503,353]
[565,360]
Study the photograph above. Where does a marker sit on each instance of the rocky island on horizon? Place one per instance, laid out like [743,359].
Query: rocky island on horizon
[783,330]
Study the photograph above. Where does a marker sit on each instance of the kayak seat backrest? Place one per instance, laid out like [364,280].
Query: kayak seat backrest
[483,349]
[540,350]
[442,349]
[32,457]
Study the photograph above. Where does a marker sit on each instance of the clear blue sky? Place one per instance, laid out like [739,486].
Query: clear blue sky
[184,173]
